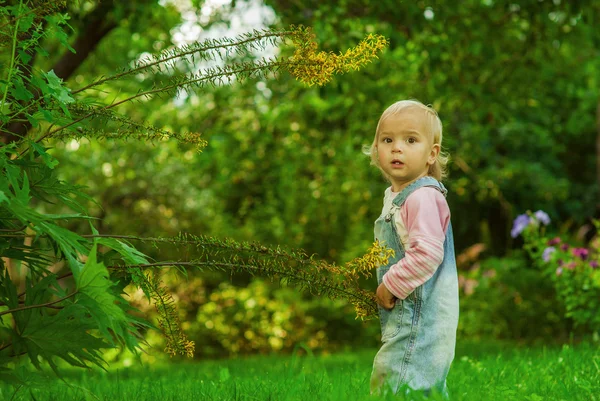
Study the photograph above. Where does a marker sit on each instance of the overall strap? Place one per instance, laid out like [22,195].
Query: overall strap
[426,181]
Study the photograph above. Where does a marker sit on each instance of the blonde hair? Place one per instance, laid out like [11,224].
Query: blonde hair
[438,169]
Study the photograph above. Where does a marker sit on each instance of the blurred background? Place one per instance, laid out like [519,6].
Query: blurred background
[515,84]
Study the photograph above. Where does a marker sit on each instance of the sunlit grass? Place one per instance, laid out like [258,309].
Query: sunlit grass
[490,371]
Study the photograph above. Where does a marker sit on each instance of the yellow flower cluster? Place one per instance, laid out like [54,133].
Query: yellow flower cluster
[180,346]
[348,275]
[177,342]
[377,255]
[313,67]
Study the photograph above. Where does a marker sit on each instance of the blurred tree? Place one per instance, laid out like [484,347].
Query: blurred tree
[515,84]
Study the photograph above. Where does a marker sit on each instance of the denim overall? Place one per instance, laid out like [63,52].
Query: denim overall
[419,334]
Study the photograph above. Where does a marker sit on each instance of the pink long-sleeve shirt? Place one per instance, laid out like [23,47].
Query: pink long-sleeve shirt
[421,224]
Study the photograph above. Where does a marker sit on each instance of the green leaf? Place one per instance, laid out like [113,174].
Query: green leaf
[129,253]
[21,193]
[26,18]
[22,377]
[96,294]
[8,291]
[20,92]
[38,293]
[69,242]
[32,120]
[49,160]
[25,57]
[37,261]
[40,83]
[63,37]
[56,88]
[65,335]
[48,116]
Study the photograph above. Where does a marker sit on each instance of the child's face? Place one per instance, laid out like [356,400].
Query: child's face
[404,147]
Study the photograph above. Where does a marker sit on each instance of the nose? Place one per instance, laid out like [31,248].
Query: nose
[397,147]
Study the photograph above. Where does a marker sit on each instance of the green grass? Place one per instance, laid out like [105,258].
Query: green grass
[487,372]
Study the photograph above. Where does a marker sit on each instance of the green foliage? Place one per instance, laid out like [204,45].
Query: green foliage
[547,291]
[470,62]
[573,271]
[254,319]
[507,298]
[261,316]
[48,267]
[291,173]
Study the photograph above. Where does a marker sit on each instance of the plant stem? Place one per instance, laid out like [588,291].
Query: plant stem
[39,305]
[179,55]
[12,59]
[166,88]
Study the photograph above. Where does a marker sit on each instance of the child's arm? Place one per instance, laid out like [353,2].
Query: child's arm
[426,217]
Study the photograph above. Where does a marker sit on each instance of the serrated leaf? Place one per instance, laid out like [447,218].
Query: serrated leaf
[32,120]
[129,253]
[96,294]
[36,294]
[56,88]
[8,290]
[20,92]
[21,192]
[63,37]
[36,261]
[48,159]
[45,335]
[25,57]
[48,116]
[26,18]
[40,83]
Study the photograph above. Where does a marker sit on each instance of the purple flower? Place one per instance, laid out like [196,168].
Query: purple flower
[580,252]
[547,252]
[564,247]
[559,271]
[555,241]
[519,225]
[542,217]
[594,264]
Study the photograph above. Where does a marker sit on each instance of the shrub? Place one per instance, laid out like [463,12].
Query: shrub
[507,298]
[572,270]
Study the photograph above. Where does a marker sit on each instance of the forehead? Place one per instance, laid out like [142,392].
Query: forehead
[409,119]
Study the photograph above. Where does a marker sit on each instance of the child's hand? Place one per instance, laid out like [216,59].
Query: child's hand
[384,297]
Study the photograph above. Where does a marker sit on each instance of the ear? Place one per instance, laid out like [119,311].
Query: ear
[435,151]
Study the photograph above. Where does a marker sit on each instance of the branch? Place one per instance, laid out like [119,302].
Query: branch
[12,60]
[219,74]
[246,267]
[211,45]
[11,311]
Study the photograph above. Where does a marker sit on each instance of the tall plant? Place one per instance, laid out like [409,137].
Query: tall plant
[62,292]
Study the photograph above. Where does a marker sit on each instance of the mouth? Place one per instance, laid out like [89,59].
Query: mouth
[397,163]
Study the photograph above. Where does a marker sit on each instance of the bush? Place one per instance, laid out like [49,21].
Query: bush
[573,271]
[263,317]
[508,298]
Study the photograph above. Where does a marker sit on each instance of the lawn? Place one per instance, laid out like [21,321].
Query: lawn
[481,371]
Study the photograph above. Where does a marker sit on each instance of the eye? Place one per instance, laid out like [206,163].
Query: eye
[411,140]
[387,140]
